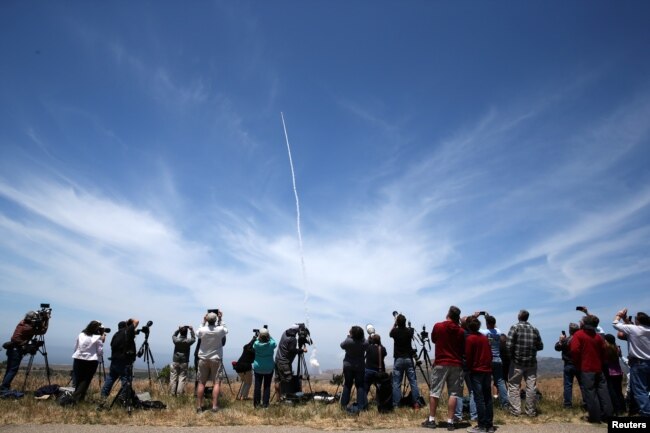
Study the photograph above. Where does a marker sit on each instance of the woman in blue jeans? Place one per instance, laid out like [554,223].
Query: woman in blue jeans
[263,367]
[354,367]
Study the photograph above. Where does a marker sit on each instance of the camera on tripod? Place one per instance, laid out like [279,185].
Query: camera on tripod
[304,336]
[144,329]
[40,319]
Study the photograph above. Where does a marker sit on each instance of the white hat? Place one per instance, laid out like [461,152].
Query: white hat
[264,332]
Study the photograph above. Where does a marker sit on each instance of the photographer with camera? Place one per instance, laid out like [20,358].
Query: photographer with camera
[212,336]
[570,370]
[123,355]
[181,358]
[244,367]
[263,366]
[496,339]
[375,362]
[589,352]
[637,334]
[88,349]
[288,348]
[403,360]
[355,346]
[34,323]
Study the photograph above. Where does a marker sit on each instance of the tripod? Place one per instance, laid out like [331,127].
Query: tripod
[222,373]
[36,345]
[101,371]
[302,371]
[423,356]
[129,398]
[145,351]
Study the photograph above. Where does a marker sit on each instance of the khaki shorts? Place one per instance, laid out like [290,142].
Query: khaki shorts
[451,375]
[208,370]
[283,372]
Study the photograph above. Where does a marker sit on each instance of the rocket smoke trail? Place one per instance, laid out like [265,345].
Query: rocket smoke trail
[295,193]
[312,359]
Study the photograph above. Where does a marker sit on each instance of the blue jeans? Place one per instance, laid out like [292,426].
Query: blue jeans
[14,357]
[257,391]
[482,390]
[401,366]
[119,369]
[473,414]
[497,377]
[570,372]
[370,378]
[354,375]
[640,384]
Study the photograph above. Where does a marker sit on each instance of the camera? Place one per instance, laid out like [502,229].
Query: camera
[145,329]
[214,310]
[257,331]
[40,320]
[102,330]
[304,337]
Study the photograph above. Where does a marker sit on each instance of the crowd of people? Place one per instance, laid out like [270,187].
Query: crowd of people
[484,360]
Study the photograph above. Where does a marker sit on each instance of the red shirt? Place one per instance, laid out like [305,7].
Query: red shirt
[478,353]
[588,351]
[449,339]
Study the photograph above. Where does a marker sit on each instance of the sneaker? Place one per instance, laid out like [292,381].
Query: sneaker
[199,410]
[450,426]
[215,409]
[491,429]
[429,424]
[475,429]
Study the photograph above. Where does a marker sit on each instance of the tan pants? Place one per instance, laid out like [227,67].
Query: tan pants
[246,382]
[516,374]
[177,377]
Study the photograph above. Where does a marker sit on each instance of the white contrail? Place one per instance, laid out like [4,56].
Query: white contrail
[295,193]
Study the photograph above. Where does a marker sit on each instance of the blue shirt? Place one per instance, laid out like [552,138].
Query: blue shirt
[494,337]
[263,363]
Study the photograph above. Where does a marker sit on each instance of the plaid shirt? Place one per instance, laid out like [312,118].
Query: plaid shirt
[523,343]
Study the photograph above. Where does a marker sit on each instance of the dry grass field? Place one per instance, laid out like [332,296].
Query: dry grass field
[181,410]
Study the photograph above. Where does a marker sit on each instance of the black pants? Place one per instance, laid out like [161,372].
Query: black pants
[596,396]
[83,372]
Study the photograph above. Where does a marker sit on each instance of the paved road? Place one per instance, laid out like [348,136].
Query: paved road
[68,428]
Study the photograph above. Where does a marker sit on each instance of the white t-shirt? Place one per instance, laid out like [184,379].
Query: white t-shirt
[88,347]
[211,341]
[638,338]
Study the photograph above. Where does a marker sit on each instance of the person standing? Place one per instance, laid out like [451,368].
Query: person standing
[570,371]
[263,367]
[495,336]
[375,362]
[478,360]
[523,344]
[614,375]
[211,335]
[244,368]
[588,350]
[123,355]
[403,361]
[638,339]
[449,340]
[354,367]
[183,339]
[88,348]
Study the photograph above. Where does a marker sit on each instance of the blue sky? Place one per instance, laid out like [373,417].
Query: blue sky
[490,155]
